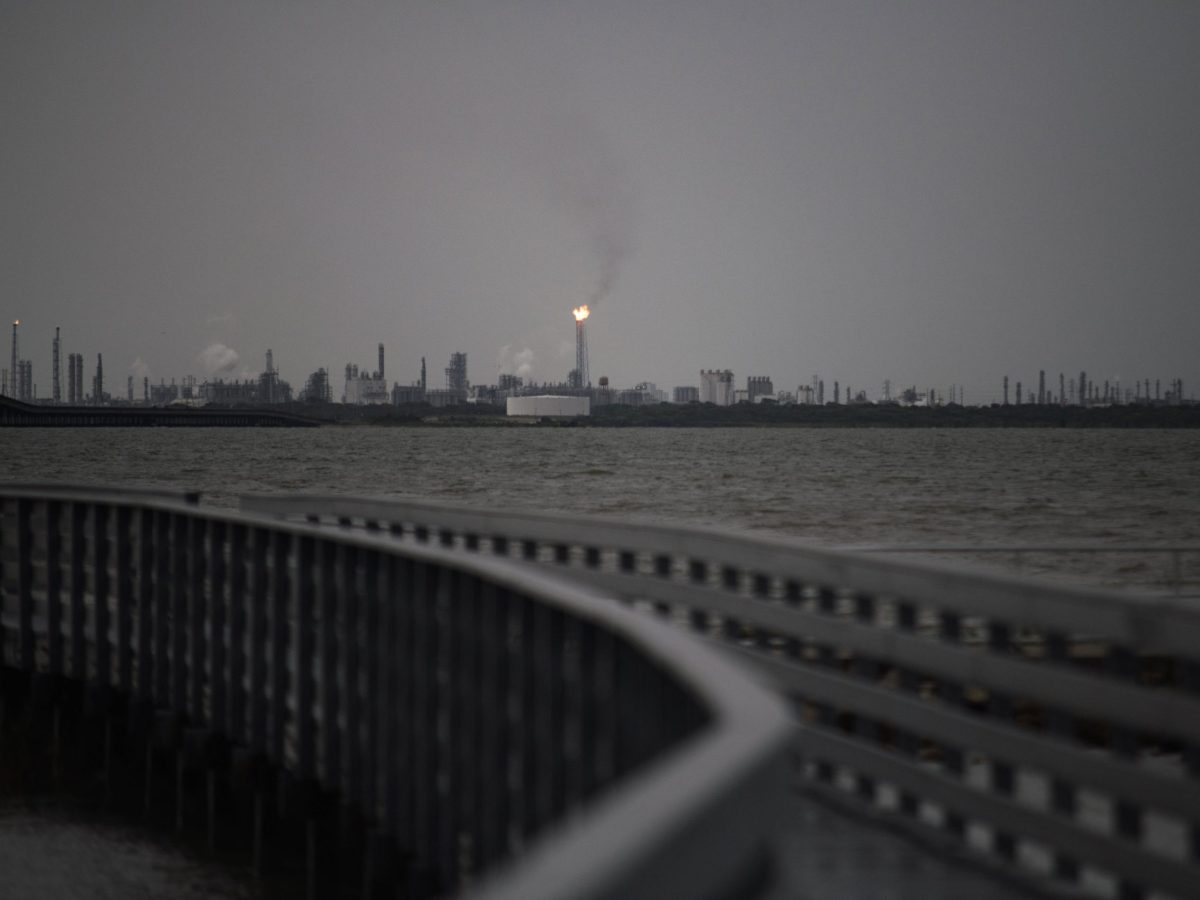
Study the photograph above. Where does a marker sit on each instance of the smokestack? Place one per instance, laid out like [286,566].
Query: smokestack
[57,367]
[98,384]
[380,375]
[129,389]
[78,370]
[422,375]
[1041,387]
[581,356]
[1006,390]
[270,362]
[14,373]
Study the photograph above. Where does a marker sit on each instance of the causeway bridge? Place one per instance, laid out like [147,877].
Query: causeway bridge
[433,700]
[15,413]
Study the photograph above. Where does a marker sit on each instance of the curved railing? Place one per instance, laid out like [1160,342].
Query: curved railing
[1145,567]
[498,730]
[1046,730]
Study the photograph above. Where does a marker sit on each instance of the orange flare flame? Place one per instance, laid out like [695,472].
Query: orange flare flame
[581,313]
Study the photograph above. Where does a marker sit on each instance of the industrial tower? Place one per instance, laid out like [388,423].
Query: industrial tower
[581,377]
[57,367]
[14,373]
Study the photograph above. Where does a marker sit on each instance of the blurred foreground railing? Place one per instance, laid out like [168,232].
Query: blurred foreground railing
[1049,730]
[1157,568]
[490,728]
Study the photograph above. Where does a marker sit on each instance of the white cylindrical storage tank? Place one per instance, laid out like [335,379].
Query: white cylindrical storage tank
[546,405]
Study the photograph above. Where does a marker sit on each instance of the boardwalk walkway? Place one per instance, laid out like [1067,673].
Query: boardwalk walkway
[828,855]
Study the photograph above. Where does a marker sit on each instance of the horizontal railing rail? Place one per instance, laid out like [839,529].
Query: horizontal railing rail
[1182,570]
[1048,728]
[506,732]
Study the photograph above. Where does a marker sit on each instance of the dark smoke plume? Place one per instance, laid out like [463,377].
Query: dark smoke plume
[586,177]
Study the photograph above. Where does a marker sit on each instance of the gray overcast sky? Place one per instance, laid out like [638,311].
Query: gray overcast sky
[931,192]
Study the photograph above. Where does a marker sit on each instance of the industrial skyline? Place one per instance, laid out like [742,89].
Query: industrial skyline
[363,386]
[932,192]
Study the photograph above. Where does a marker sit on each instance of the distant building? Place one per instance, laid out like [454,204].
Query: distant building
[759,386]
[317,388]
[457,385]
[685,394]
[272,388]
[716,386]
[445,397]
[645,393]
[161,394]
[364,388]
[548,406]
[509,382]
[404,394]
[230,393]
[25,370]
[456,373]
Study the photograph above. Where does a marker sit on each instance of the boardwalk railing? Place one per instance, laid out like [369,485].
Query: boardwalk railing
[1048,730]
[496,730]
[1158,568]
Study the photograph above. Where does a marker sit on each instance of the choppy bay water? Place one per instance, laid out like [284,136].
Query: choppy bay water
[826,486]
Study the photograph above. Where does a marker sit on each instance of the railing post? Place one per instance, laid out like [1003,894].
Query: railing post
[124,540]
[303,651]
[393,768]
[1064,799]
[24,543]
[54,584]
[329,559]
[281,552]
[163,584]
[370,703]
[100,594]
[260,598]
[179,610]
[494,739]
[218,605]
[423,726]
[146,555]
[197,615]
[239,602]
[354,561]
[78,590]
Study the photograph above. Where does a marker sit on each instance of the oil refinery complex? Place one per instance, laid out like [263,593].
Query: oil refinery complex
[576,395]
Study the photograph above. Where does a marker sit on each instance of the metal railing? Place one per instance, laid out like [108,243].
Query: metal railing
[1045,729]
[505,732]
[1179,574]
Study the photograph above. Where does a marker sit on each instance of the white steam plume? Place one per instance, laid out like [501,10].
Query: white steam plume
[218,359]
[519,363]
